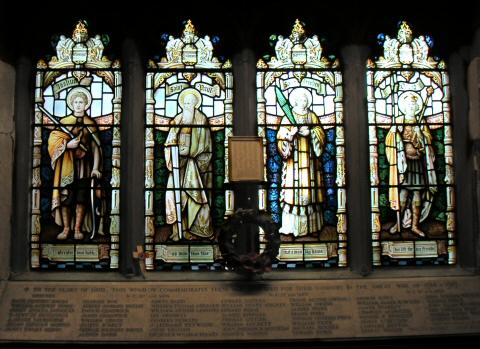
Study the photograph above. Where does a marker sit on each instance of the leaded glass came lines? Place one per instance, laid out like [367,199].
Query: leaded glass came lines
[411,155]
[76,157]
[188,122]
[300,117]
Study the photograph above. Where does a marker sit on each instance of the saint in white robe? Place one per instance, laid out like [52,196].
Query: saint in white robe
[301,195]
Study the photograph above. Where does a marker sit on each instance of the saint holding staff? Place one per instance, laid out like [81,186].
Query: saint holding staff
[409,152]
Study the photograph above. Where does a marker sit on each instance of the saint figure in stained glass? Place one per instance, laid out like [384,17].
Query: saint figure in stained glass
[76,156]
[300,147]
[188,124]
[188,154]
[75,152]
[300,118]
[410,154]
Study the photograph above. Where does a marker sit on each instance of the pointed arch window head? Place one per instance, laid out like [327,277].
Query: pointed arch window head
[188,122]
[76,157]
[300,117]
[411,154]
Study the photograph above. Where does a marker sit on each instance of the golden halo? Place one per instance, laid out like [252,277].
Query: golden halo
[190,91]
[402,100]
[74,92]
[297,92]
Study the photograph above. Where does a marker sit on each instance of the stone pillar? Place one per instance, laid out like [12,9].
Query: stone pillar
[354,60]
[132,155]
[463,161]
[20,248]
[244,121]
[473,79]
[7,138]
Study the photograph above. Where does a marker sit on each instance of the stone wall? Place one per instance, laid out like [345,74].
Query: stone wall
[7,144]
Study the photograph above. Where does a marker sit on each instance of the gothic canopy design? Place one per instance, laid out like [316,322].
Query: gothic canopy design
[189,51]
[404,51]
[80,51]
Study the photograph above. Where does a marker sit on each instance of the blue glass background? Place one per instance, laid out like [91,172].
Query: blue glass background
[274,177]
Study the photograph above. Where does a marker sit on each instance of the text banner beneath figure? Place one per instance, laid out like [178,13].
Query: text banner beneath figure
[410,249]
[299,252]
[180,253]
[224,310]
[70,253]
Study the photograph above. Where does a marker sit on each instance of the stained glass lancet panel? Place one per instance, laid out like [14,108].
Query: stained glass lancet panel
[76,157]
[411,154]
[300,117]
[188,123]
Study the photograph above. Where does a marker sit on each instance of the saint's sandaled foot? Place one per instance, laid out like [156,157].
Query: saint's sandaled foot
[64,234]
[78,235]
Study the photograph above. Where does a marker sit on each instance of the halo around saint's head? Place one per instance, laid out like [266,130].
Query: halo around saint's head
[300,91]
[190,91]
[79,92]
[404,97]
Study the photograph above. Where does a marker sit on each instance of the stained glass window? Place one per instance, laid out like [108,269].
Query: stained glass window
[188,123]
[76,157]
[411,154]
[300,117]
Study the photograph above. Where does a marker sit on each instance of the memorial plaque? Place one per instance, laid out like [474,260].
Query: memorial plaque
[246,159]
[160,311]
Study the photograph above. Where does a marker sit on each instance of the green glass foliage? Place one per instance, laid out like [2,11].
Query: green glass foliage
[386,214]
[160,177]
[439,205]
[218,205]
